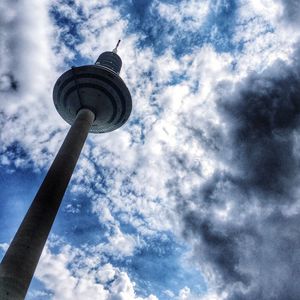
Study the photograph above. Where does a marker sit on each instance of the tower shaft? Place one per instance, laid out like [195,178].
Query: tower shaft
[20,261]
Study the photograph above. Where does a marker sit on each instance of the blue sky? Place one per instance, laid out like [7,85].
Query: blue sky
[196,197]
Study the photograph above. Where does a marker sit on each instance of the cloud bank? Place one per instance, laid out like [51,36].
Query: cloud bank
[245,218]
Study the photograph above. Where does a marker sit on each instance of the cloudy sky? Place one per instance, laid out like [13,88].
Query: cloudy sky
[197,196]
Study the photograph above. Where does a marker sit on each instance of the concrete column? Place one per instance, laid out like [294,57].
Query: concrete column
[20,261]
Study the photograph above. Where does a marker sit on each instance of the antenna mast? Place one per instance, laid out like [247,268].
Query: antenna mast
[116,48]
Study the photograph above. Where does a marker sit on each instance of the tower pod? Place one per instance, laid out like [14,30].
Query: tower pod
[98,88]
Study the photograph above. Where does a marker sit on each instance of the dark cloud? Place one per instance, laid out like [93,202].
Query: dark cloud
[245,222]
[8,83]
[291,11]
[263,116]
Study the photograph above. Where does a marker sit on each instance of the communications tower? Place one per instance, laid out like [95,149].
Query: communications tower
[90,98]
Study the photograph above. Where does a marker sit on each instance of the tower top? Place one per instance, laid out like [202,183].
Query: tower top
[98,88]
[110,59]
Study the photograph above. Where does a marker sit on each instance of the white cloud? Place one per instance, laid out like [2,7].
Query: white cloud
[268,9]
[101,31]
[263,34]
[120,244]
[27,42]
[106,273]
[53,271]
[189,15]
[4,246]
[26,50]
[74,274]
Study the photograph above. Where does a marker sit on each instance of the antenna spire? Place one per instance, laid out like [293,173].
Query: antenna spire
[116,48]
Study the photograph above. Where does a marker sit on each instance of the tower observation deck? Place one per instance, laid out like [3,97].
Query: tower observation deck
[90,98]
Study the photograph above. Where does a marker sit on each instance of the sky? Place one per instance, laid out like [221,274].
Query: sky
[196,197]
